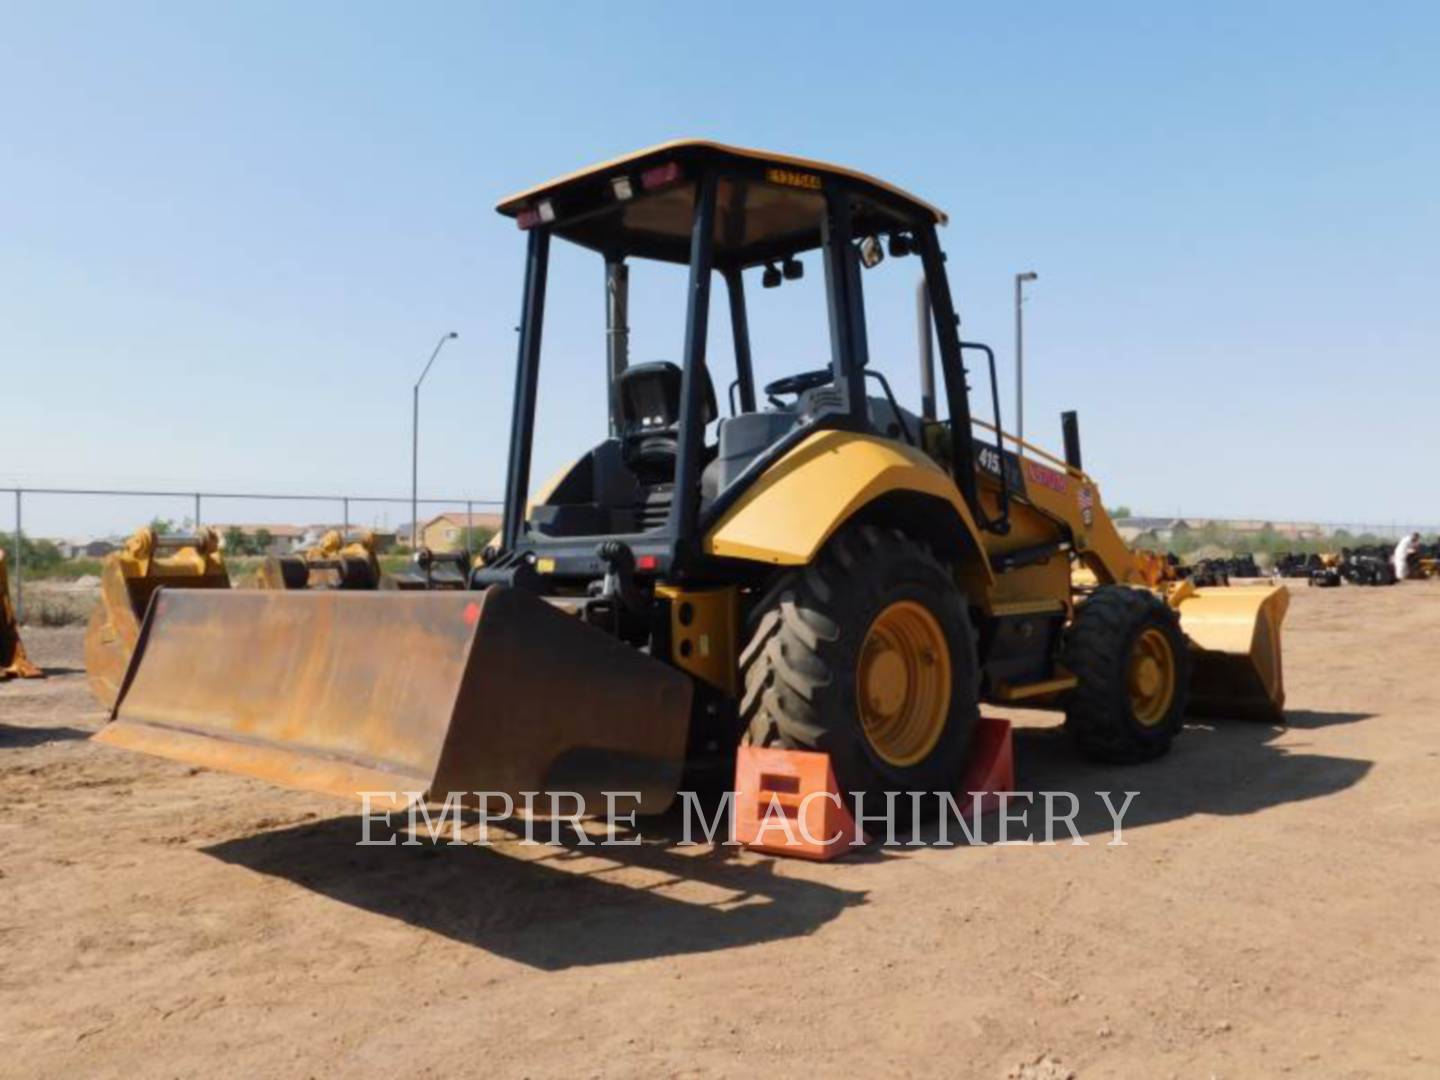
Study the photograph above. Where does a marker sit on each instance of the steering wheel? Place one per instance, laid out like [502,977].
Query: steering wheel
[798,384]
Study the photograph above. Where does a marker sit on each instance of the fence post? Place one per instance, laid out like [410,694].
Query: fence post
[197,513]
[469,524]
[19,562]
[345,515]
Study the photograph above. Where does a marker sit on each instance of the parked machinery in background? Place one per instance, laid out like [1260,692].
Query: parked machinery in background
[338,561]
[350,562]
[128,579]
[1210,573]
[14,664]
[1220,571]
[1427,560]
[1297,564]
[1205,573]
[1245,566]
[443,570]
[1328,574]
[1368,565]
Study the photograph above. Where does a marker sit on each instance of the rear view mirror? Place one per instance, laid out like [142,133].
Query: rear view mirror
[770,279]
[793,269]
[871,253]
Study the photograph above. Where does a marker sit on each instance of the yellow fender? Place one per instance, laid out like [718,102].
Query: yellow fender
[797,505]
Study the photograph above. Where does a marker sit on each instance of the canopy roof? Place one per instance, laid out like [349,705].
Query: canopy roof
[768,205]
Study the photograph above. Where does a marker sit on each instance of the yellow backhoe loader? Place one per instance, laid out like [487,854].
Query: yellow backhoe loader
[129,578]
[820,568]
[14,664]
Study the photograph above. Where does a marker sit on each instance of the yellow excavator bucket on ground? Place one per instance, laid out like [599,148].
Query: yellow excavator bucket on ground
[345,692]
[14,664]
[338,561]
[1234,633]
[128,580]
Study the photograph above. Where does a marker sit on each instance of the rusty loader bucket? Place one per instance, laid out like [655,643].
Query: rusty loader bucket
[14,664]
[129,578]
[345,692]
[1235,635]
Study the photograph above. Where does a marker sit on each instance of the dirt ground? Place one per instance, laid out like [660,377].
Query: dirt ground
[1275,910]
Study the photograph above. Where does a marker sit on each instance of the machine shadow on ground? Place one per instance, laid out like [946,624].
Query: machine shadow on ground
[556,907]
[17,737]
[563,907]
[1224,767]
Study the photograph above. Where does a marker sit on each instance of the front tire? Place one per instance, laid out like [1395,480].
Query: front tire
[1131,657]
[867,654]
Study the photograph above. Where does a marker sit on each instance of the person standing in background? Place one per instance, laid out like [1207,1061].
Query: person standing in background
[1403,551]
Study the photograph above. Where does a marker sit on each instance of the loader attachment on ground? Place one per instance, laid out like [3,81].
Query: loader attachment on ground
[338,561]
[1235,635]
[433,570]
[14,664]
[427,692]
[128,579]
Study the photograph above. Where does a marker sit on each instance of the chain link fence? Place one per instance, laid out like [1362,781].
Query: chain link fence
[1182,534]
[199,509]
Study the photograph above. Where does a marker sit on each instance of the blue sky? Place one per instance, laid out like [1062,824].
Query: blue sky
[229,237]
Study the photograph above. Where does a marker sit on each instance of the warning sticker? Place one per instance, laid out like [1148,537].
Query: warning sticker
[1045,476]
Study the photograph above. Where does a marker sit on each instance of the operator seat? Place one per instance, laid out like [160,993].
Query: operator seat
[650,418]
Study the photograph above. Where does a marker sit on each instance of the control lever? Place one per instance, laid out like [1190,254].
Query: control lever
[619,584]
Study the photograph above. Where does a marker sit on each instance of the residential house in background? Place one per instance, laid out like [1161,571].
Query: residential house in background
[1246,527]
[446,532]
[1300,530]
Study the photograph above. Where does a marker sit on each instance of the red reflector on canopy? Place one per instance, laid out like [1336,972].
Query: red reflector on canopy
[660,176]
[543,211]
[646,562]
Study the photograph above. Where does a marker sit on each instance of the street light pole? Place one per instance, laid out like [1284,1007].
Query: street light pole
[1020,280]
[415,444]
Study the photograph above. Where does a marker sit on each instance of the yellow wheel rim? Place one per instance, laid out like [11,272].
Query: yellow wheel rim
[903,683]
[1150,677]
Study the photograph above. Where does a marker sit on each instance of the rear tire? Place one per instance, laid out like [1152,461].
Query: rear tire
[876,615]
[1131,657]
